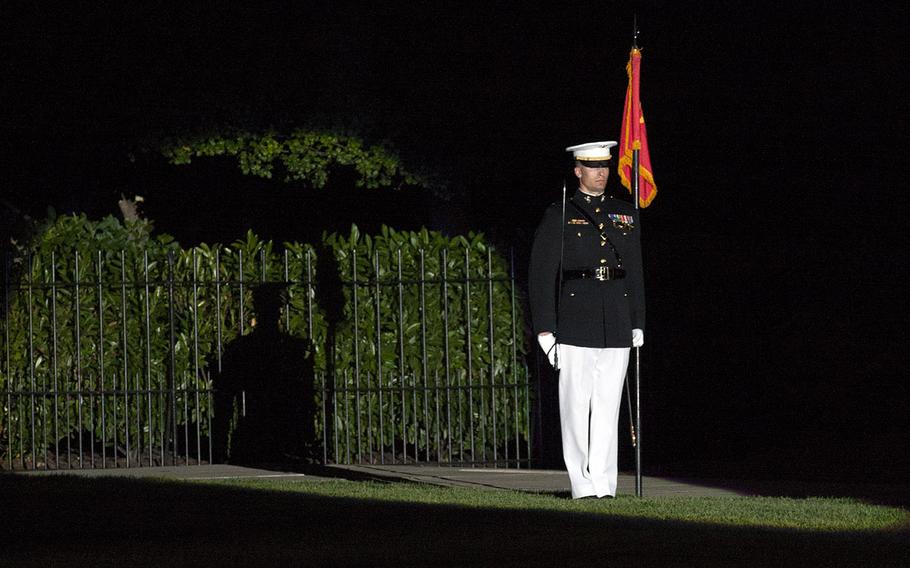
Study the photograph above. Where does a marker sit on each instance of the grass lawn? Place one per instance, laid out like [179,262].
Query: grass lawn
[73,521]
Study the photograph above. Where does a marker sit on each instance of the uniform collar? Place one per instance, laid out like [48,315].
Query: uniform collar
[590,198]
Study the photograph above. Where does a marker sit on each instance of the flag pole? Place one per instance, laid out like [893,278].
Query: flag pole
[635,111]
[635,189]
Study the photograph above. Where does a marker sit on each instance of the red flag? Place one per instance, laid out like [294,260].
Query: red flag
[635,137]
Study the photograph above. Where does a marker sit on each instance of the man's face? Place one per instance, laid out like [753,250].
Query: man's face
[592,180]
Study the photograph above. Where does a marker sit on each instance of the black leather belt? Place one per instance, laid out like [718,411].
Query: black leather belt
[602,273]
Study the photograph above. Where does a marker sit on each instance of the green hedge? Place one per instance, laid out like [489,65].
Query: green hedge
[122,291]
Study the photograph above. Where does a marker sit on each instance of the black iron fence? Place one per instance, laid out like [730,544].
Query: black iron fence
[115,360]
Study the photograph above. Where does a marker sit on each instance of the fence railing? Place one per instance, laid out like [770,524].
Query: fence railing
[119,360]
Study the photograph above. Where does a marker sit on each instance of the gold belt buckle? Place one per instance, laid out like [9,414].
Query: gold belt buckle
[602,273]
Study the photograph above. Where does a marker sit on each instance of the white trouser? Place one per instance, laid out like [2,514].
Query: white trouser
[590,391]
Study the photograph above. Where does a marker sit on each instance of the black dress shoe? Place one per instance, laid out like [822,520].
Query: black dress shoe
[606,497]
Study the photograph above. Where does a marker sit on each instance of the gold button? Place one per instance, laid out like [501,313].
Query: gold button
[603,243]
[603,261]
[579,234]
[597,210]
[572,294]
[601,226]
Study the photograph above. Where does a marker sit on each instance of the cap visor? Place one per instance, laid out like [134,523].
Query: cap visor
[595,163]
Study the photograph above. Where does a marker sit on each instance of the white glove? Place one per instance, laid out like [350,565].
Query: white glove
[547,342]
[638,337]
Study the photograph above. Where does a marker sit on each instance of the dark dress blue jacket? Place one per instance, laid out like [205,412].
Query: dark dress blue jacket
[588,312]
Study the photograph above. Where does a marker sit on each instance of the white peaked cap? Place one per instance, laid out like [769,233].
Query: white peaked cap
[592,151]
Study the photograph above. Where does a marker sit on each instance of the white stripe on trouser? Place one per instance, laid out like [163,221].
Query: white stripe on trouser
[590,391]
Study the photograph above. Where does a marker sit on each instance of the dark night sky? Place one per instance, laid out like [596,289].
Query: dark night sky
[777,133]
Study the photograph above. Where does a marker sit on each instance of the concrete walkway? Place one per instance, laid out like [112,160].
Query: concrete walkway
[549,481]
[534,480]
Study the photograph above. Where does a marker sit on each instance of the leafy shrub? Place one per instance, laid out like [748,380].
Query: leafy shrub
[402,323]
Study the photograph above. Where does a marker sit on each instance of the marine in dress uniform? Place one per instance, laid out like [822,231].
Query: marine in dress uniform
[588,308]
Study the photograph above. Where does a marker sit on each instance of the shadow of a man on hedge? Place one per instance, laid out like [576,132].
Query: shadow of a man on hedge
[266,389]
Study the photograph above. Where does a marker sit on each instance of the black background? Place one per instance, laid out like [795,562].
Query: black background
[775,270]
